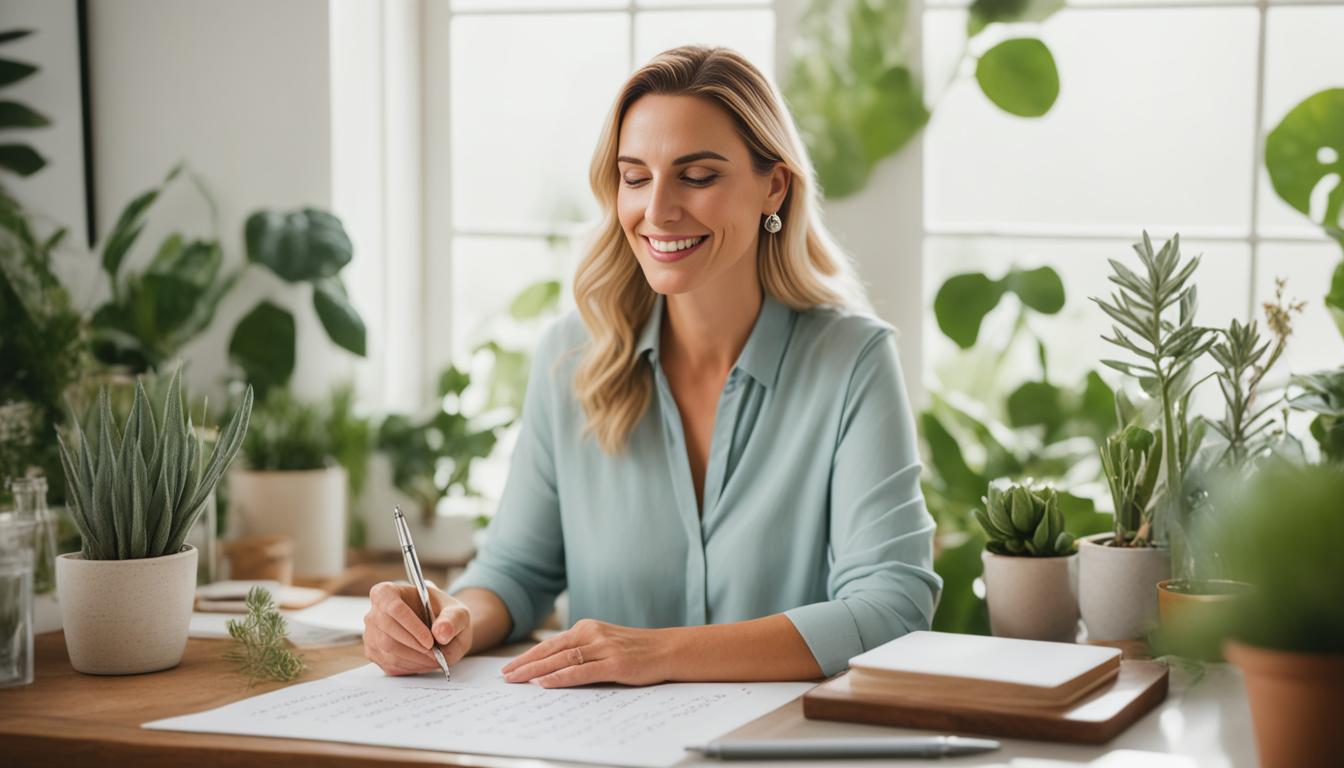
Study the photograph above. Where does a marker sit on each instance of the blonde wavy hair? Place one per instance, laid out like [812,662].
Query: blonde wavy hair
[800,265]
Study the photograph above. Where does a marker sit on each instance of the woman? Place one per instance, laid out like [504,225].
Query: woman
[717,457]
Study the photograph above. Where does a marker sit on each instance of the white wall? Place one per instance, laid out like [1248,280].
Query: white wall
[241,91]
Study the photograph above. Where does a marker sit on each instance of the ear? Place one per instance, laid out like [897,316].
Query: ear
[778,188]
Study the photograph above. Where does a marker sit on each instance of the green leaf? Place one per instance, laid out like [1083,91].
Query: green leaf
[1040,288]
[125,232]
[10,35]
[1036,403]
[342,322]
[1334,300]
[1097,406]
[945,458]
[263,346]
[1019,76]
[959,610]
[21,159]
[536,299]
[16,115]
[890,112]
[13,71]
[298,246]
[1293,155]
[962,303]
[985,12]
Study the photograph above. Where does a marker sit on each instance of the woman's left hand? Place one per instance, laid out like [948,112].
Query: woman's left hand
[594,652]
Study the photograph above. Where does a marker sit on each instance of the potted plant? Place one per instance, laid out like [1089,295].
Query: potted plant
[1282,534]
[1154,320]
[294,483]
[1030,564]
[134,494]
[1243,357]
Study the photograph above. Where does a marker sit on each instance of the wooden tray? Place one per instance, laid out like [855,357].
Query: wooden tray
[1096,719]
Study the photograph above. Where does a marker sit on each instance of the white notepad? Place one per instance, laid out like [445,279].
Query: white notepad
[1033,663]
[477,712]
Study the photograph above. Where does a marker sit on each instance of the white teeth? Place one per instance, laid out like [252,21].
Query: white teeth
[672,246]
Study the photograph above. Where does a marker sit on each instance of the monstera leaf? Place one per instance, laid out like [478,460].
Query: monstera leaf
[298,246]
[1304,149]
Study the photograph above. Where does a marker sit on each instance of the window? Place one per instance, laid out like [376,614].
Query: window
[1160,124]
[514,106]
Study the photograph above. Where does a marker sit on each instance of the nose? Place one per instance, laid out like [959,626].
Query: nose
[664,205]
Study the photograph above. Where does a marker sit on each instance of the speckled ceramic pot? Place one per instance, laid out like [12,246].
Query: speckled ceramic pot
[1032,598]
[124,617]
[1117,588]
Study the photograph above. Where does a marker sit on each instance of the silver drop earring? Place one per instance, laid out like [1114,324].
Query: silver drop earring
[773,224]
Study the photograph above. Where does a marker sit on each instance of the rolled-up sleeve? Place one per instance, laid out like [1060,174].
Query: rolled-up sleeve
[523,558]
[881,583]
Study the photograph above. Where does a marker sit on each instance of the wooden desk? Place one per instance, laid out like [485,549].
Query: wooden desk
[68,719]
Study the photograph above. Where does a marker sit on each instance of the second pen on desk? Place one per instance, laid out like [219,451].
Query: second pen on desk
[416,577]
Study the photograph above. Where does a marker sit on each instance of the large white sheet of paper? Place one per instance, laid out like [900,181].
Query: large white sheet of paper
[477,712]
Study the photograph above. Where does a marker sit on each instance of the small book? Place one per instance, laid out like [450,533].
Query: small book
[982,671]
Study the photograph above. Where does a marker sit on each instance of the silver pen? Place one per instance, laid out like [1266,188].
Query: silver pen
[891,746]
[416,577]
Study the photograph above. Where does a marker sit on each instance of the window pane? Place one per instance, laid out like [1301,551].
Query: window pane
[751,33]
[488,272]
[1303,55]
[674,3]
[1153,127]
[527,106]
[1072,337]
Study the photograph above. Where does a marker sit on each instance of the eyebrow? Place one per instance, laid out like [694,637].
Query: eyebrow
[683,160]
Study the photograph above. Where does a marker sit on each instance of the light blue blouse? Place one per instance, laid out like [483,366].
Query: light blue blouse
[812,505]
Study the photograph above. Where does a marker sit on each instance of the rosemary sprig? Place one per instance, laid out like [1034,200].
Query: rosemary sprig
[259,642]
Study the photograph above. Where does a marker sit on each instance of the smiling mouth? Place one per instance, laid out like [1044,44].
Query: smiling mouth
[674,250]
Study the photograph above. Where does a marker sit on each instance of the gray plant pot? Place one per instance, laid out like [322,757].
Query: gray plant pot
[1032,598]
[1117,588]
[124,617]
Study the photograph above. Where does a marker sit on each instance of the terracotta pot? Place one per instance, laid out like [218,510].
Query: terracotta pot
[1297,704]
[1032,598]
[261,558]
[1117,588]
[309,506]
[124,617]
[1194,619]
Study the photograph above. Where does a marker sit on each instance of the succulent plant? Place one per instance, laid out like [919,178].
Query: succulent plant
[140,490]
[1021,520]
[1132,459]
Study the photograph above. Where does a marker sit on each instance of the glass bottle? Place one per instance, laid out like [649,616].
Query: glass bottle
[30,503]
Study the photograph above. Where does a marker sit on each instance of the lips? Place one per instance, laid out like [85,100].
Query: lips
[669,257]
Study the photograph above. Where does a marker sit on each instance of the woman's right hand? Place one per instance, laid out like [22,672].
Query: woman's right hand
[396,638]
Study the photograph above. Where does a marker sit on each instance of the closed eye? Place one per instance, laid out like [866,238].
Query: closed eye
[701,181]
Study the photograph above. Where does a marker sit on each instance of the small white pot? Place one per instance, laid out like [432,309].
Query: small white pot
[308,506]
[124,617]
[1117,588]
[1032,598]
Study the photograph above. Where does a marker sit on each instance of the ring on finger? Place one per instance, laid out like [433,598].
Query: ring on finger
[575,656]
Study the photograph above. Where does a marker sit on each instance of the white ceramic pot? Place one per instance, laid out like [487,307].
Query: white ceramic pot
[309,506]
[1032,598]
[1117,588]
[124,617]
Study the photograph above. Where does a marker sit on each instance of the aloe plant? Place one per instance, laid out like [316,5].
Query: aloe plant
[1167,348]
[137,492]
[1023,521]
[1131,460]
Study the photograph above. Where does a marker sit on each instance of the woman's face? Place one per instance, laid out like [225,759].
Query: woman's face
[689,200]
